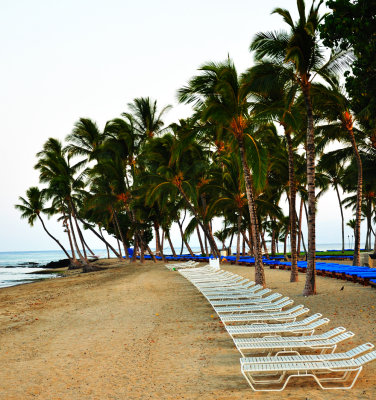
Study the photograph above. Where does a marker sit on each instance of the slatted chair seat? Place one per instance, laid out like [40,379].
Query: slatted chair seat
[247,289]
[289,315]
[276,344]
[223,283]
[249,300]
[309,357]
[329,374]
[304,322]
[265,329]
[276,306]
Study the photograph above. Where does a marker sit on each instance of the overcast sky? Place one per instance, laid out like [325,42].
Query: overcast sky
[62,60]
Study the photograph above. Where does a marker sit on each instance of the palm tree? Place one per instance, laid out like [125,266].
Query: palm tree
[300,47]
[335,108]
[333,173]
[107,178]
[31,208]
[176,166]
[352,224]
[145,117]
[228,187]
[220,96]
[274,91]
[222,235]
[85,139]
[62,179]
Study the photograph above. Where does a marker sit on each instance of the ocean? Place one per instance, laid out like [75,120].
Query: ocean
[19,267]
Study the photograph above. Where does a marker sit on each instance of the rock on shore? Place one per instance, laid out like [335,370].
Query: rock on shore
[58,264]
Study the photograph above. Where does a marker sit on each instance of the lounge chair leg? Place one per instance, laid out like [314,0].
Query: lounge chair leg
[347,373]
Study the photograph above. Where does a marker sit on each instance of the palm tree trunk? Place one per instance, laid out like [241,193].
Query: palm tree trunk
[118,241]
[368,216]
[231,239]
[199,239]
[212,243]
[108,251]
[238,238]
[215,250]
[52,237]
[140,238]
[163,237]
[292,208]
[306,214]
[157,249]
[300,227]
[88,248]
[142,251]
[273,242]
[247,240]
[121,234]
[150,252]
[304,246]
[285,246]
[358,213]
[310,283]
[170,243]
[117,234]
[73,212]
[101,238]
[66,224]
[158,240]
[342,219]
[250,243]
[83,261]
[183,238]
[264,244]
[202,225]
[243,246]
[259,268]
[206,246]
[135,249]
[81,237]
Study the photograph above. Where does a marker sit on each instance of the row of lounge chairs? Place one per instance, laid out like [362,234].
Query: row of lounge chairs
[363,275]
[272,340]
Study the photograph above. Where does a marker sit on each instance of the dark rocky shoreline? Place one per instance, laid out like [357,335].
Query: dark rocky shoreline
[57,264]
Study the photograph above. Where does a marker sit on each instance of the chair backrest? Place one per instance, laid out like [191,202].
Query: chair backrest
[366,358]
[359,350]
[343,336]
[308,320]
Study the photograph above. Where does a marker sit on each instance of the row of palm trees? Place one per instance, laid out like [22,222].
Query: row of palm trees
[253,139]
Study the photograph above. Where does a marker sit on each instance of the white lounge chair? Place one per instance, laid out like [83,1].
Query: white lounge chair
[248,300]
[329,374]
[255,292]
[208,277]
[235,289]
[289,315]
[276,306]
[279,345]
[309,357]
[278,329]
[187,264]
[222,283]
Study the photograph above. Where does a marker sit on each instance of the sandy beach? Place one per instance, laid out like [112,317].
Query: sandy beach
[143,332]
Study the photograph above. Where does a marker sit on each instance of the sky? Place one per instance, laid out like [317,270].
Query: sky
[63,60]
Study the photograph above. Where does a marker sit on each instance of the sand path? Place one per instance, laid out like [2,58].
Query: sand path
[143,332]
